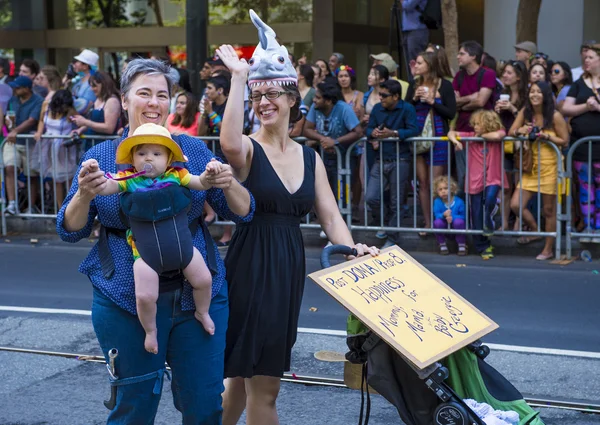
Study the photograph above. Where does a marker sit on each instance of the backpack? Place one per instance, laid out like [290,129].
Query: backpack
[431,15]
[496,91]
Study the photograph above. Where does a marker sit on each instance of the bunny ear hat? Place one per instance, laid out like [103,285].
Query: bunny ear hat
[270,63]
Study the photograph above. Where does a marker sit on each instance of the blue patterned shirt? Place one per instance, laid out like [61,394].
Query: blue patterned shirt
[120,287]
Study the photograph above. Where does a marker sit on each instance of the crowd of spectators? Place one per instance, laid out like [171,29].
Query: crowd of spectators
[532,94]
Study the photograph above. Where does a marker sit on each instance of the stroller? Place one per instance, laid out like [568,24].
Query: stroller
[434,395]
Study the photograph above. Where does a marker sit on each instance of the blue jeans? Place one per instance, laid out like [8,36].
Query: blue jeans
[196,359]
[481,205]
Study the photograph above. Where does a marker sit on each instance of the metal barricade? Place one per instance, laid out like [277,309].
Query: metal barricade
[47,165]
[589,233]
[399,227]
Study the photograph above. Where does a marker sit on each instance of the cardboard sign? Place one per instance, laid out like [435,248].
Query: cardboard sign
[406,305]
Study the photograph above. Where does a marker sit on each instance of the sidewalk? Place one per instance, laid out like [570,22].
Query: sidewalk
[39,389]
[503,245]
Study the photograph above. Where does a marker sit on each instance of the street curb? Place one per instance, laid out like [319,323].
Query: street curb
[409,241]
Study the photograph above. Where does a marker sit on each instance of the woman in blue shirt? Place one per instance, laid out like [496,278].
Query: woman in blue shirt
[195,357]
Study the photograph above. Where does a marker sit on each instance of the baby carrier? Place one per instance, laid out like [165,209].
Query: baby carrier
[159,224]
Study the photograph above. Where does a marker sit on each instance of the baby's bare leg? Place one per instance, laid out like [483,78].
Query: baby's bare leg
[146,294]
[199,276]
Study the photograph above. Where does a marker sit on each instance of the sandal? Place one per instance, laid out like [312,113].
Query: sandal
[544,257]
[524,240]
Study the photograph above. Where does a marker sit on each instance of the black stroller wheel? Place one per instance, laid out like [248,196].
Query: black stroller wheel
[450,414]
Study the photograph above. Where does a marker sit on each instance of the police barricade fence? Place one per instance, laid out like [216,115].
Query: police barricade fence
[343,174]
[399,226]
[584,179]
[46,170]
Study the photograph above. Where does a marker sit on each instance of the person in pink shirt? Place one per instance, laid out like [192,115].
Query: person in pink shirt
[185,118]
[484,176]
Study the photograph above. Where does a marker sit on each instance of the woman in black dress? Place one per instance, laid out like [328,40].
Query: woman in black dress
[265,262]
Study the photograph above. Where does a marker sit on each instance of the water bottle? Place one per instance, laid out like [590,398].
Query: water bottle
[586,255]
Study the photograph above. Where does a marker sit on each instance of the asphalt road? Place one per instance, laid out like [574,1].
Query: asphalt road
[535,304]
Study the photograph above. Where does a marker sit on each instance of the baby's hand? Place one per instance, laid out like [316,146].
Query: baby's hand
[447,213]
[214,167]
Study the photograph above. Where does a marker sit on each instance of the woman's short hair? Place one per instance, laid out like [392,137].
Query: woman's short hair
[138,67]
[308,73]
[295,113]
[53,77]
[107,85]
[488,120]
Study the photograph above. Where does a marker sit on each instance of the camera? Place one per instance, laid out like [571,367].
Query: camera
[71,72]
[533,134]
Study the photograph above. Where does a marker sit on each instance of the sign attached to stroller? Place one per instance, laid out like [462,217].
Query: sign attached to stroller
[406,305]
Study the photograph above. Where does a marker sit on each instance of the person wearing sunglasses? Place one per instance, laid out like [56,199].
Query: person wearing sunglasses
[391,118]
[540,58]
[561,79]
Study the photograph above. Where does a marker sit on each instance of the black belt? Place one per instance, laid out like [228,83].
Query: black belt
[108,265]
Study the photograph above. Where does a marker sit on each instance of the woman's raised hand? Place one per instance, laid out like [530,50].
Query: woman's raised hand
[231,59]
[91,180]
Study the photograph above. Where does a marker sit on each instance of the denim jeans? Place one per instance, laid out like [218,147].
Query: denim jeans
[196,359]
[481,205]
[383,176]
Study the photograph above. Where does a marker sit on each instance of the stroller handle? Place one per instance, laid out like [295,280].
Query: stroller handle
[335,249]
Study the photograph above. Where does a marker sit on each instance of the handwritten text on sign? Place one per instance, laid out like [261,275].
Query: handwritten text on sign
[406,305]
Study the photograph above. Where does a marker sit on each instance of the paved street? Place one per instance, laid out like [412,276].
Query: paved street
[536,305]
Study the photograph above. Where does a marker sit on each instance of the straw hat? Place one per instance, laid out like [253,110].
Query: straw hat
[149,133]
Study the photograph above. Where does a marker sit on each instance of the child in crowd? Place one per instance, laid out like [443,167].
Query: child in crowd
[448,212]
[484,177]
[155,201]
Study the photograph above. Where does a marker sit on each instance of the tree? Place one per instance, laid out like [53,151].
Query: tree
[270,11]
[450,27]
[527,20]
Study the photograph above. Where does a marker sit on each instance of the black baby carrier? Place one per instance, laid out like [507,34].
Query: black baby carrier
[159,224]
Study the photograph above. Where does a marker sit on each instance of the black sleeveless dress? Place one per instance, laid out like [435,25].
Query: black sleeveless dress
[266,270]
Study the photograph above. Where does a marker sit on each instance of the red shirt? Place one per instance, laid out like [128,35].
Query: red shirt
[493,163]
[190,131]
[469,86]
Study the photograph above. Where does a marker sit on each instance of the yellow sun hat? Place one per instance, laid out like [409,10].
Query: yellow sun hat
[152,134]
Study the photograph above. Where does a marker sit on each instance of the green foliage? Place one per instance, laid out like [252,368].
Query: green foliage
[270,11]
[100,13]
[5,13]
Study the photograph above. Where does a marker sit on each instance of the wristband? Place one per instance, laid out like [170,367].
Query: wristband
[213,115]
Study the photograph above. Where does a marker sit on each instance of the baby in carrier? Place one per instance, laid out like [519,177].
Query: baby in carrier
[155,198]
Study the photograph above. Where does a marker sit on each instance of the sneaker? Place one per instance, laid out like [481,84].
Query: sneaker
[462,250]
[488,253]
[596,238]
[388,244]
[444,249]
[381,234]
[322,235]
[487,232]
[11,209]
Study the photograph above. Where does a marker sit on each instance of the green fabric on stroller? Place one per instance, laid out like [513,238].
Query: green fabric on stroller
[471,377]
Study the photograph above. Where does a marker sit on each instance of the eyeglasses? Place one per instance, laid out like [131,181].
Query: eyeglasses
[556,71]
[541,55]
[384,95]
[270,95]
